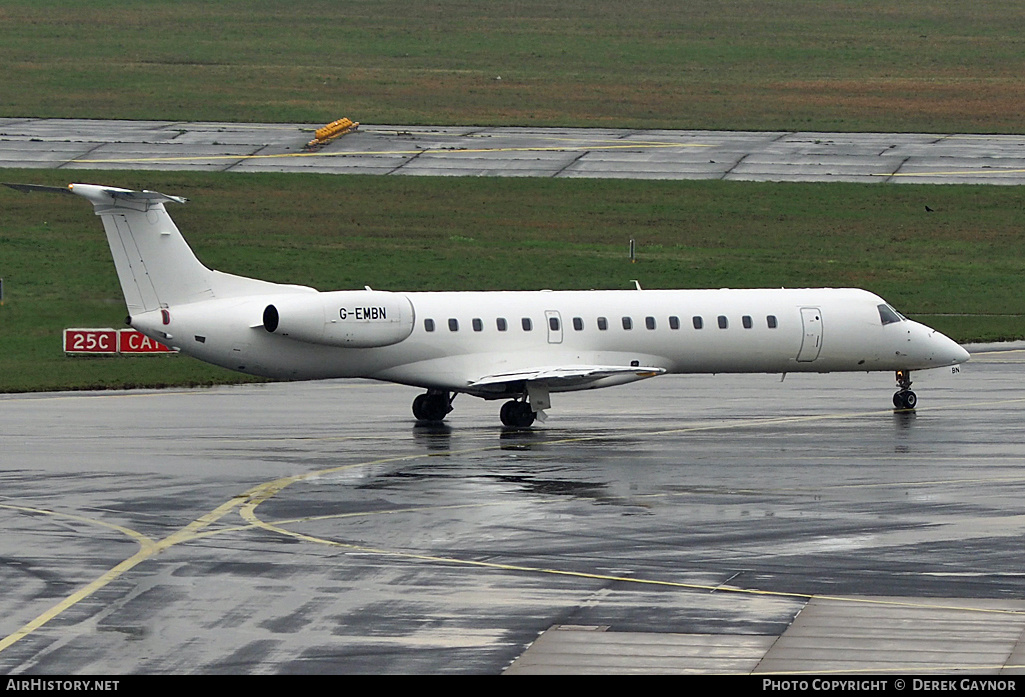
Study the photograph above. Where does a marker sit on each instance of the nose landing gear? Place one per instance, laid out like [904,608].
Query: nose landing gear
[904,398]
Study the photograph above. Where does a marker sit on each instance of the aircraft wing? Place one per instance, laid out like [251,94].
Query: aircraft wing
[570,376]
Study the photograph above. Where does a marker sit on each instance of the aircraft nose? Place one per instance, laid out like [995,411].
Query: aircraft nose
[948,351]
[960,354]
[936,349]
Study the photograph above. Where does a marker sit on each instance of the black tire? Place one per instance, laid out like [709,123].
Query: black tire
[431,407]
[418,407]
[517,414]
[910,400]
[436,407]
[523,415]
[505,414]
[905,399]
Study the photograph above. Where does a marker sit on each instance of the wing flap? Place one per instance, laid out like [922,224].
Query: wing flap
[569,376]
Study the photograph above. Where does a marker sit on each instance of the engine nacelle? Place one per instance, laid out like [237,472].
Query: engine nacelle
[349,318]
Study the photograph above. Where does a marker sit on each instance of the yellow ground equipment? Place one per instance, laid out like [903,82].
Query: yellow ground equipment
[331,131]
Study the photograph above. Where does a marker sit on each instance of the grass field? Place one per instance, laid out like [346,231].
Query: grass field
[856,65]
[957,268]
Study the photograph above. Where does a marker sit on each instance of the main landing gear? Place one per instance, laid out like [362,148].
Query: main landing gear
[904,398]
[433,405]
[517,413]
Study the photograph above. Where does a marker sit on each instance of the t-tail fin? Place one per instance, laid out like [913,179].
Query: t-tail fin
[155,265]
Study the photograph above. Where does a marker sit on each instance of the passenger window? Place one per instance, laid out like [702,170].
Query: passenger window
[428,325]
[746,321]
[649,322]
[501,324]
[771,321]
[453,325]
[578,324]
[698,322]
[628,323]
[553,323]
[603,323]
[674,322]
[478,325]
[723,322]
[526,324]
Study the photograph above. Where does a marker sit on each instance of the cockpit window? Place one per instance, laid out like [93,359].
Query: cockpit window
[888,315]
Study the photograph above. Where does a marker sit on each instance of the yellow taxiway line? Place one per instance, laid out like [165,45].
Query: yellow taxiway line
[421,152]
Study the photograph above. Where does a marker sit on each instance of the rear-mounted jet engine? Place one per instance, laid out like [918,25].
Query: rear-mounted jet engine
[350,318]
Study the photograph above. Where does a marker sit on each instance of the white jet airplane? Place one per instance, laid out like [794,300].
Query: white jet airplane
[518,346]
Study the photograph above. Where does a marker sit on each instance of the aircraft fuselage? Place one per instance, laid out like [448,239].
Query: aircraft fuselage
[450,340]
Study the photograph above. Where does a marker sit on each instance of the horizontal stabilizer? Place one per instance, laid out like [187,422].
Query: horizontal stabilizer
[90,191]
[144,195]
[29,188]
[111,195]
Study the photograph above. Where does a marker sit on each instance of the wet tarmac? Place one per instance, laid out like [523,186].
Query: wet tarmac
[504,151]
[677,525]
[316,528]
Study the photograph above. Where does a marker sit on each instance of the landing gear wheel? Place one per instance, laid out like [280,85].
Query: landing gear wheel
[432,406]
[518,414]
[505,413]
[905,399]
[418,407]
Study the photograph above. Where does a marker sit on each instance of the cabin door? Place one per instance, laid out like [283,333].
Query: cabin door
[554,322]
[811,318]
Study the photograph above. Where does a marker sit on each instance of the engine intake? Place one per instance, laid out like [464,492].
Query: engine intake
[271,318]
